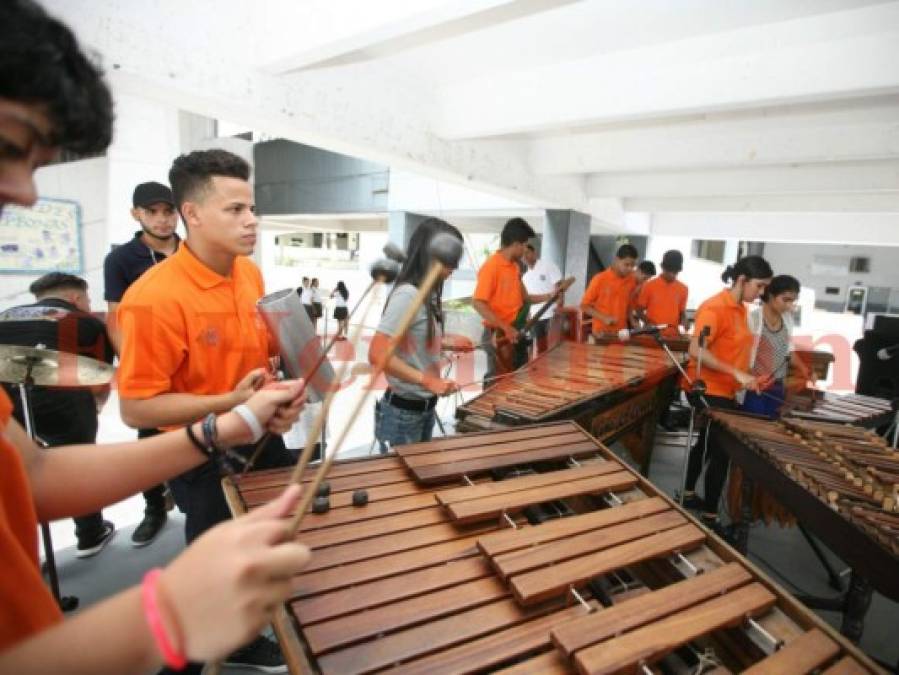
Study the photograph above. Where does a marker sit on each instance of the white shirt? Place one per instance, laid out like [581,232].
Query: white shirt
[540,280]
[338,299]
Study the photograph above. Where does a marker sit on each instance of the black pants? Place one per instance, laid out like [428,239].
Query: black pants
[198,492]
[154,497]
[715,457]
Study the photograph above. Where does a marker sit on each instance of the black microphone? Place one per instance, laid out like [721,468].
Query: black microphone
[703,334]
[626,334]
[887,353]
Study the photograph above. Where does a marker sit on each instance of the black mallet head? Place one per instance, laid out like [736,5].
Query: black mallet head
[394,252]
[385,270]
[446,249]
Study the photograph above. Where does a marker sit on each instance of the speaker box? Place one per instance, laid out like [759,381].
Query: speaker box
[877,377]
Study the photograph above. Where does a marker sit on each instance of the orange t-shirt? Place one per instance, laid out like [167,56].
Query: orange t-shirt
[730,340]
[499,285]
[187,329]
[27,606]
[610,294]
[664,303]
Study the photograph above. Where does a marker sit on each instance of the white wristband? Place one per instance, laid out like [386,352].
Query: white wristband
[248,416]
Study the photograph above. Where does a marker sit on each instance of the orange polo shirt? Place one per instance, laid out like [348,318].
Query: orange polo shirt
[499,285]
[27,606]
[730,341]
[664,303]
[188,329]
[610,294]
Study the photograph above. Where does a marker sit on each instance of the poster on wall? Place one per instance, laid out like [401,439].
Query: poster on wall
[43,238]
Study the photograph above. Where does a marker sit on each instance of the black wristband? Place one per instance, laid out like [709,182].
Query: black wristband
[207,452]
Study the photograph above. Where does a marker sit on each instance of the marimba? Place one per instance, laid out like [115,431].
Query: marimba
[608,389]
[814,404]
[528,550]
[841,482]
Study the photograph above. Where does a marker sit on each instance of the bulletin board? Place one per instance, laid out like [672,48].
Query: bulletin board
[43,238]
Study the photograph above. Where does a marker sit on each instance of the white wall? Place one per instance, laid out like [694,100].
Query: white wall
[84,182]
[797,260]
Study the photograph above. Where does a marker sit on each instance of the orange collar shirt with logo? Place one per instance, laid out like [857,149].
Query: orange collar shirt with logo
[610,294]
[729,340]
[188,329]
[27,606]
[664,303]
[499,285]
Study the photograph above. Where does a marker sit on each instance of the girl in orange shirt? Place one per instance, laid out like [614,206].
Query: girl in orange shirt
[725,366]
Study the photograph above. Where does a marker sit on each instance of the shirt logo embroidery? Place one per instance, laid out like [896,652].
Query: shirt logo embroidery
[210,336]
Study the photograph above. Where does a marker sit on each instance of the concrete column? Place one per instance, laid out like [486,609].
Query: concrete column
[401,225]
[566,242]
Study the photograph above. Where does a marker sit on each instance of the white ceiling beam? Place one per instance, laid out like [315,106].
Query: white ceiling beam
[770,180]
[882,202]
[827,228]
[837,55]
[335,111]
[844,131]
[397,27]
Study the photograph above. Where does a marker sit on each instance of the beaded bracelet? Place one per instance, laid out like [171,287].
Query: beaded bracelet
[150,594]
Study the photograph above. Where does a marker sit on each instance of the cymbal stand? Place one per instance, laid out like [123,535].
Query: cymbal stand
[69,602]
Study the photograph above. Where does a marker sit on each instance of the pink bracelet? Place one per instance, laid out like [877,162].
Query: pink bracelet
[150,594]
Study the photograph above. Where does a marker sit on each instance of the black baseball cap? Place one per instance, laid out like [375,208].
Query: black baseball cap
[673,261]
[146,194]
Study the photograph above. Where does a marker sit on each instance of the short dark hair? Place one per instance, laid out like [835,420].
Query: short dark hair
[516,231]
[42,63]
[751,267]
[647,267]
[191,174]
[57,281]
[782,283]
[627,251]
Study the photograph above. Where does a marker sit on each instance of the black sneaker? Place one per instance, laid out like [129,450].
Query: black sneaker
[261,654]
[693,502]
[148,528]
[92,548]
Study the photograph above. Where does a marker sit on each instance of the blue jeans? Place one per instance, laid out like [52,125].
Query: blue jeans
[396,426]
[768,405]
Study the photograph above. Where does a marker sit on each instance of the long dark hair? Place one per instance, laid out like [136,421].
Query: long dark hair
[418,263]
[751,267]
[341,288]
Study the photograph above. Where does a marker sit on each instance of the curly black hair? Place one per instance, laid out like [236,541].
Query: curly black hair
[42,63]
[190,174]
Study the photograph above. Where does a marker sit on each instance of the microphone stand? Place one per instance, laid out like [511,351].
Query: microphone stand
[695,397]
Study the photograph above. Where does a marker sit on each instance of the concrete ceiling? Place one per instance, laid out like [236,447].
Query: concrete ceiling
[757,119]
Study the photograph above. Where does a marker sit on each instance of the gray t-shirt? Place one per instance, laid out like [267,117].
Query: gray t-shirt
[414,350]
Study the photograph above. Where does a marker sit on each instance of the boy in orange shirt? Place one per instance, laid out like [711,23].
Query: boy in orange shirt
[663,300]
[500,295]
[53,97]
[608,296]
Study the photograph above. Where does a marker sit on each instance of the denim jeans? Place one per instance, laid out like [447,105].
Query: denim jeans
[398,427]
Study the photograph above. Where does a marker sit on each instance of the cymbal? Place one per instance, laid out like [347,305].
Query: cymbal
[50,368]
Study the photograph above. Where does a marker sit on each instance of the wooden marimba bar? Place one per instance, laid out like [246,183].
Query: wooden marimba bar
[608,389]
[527,550]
